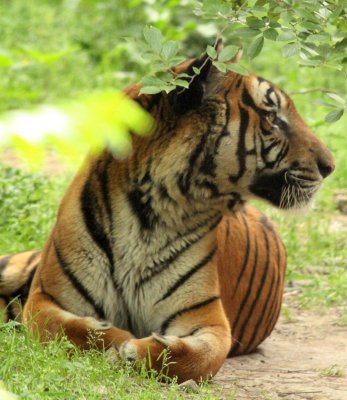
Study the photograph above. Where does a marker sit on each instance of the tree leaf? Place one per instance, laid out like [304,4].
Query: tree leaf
[150,90]
[291,49]
[182,82]
[153,37]
[211,52]
[334,115]
[318,37]
[228,53]
[151,81]
[169,50]
[255,23]
[256,47]
[247,32]
[307,15]
[337,98]
[270,34]
[237,68]
[286,36]
[320,102]
[220,66]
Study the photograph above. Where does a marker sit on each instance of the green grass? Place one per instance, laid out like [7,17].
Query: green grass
[59,370]
[59,52]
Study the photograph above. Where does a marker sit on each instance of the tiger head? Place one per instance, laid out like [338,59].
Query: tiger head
[236,137]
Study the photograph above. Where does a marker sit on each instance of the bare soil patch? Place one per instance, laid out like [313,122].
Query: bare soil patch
[293,363]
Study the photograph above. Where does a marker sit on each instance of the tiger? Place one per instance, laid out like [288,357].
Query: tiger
[160,252]
[252,304]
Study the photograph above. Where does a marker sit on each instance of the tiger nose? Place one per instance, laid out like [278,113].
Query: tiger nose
[325,167]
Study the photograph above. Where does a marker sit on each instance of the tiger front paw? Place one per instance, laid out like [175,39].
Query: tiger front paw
[138,349]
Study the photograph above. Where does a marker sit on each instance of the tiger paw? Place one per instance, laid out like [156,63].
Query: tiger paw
[128,350]
[137,349]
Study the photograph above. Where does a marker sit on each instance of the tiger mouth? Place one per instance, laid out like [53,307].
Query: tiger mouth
[285,189]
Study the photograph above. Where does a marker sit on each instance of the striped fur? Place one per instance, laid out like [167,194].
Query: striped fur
[158,250]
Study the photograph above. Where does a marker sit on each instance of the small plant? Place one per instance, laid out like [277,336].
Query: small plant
[287,314]
[333,371]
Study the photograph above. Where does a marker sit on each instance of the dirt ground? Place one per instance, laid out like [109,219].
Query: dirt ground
[293,362]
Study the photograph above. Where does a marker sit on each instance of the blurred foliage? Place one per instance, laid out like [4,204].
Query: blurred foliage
[58,48]
[28,205]
[75,127]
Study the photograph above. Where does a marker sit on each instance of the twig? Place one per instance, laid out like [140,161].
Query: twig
[314,90]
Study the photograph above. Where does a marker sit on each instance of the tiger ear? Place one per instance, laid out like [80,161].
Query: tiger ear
[184,100]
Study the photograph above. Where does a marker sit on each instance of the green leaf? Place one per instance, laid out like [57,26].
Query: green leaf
[256,47]
[310,26]
[196,70]
[334,115]
[153,37]
[228,53]
[270,34]
[211,52]
[320,102]
[291,49]
[247,32]
[150,90]
[237,68]
[307,15]
[181,82]
[151,81]
[169,50]
[318,37]
[337,98]
[255,23]
[220,66]
[286,36]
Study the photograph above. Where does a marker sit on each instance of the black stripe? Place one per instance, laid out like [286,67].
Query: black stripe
[269,101]
[142,208]
[282,153]
[23,292]
[259,294]
[246,252]
[262,317]
[52,299]
[208,166]
[193,332]
[205,184]
[102,174]
[187,275]
[3,263]
[184,180]
[241,146]
[272,313]
[32,258]
[77,284]
[238,82]
[179,313]
[158,268]
[227,230]
[248,101]
[246,296]
[94,227]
